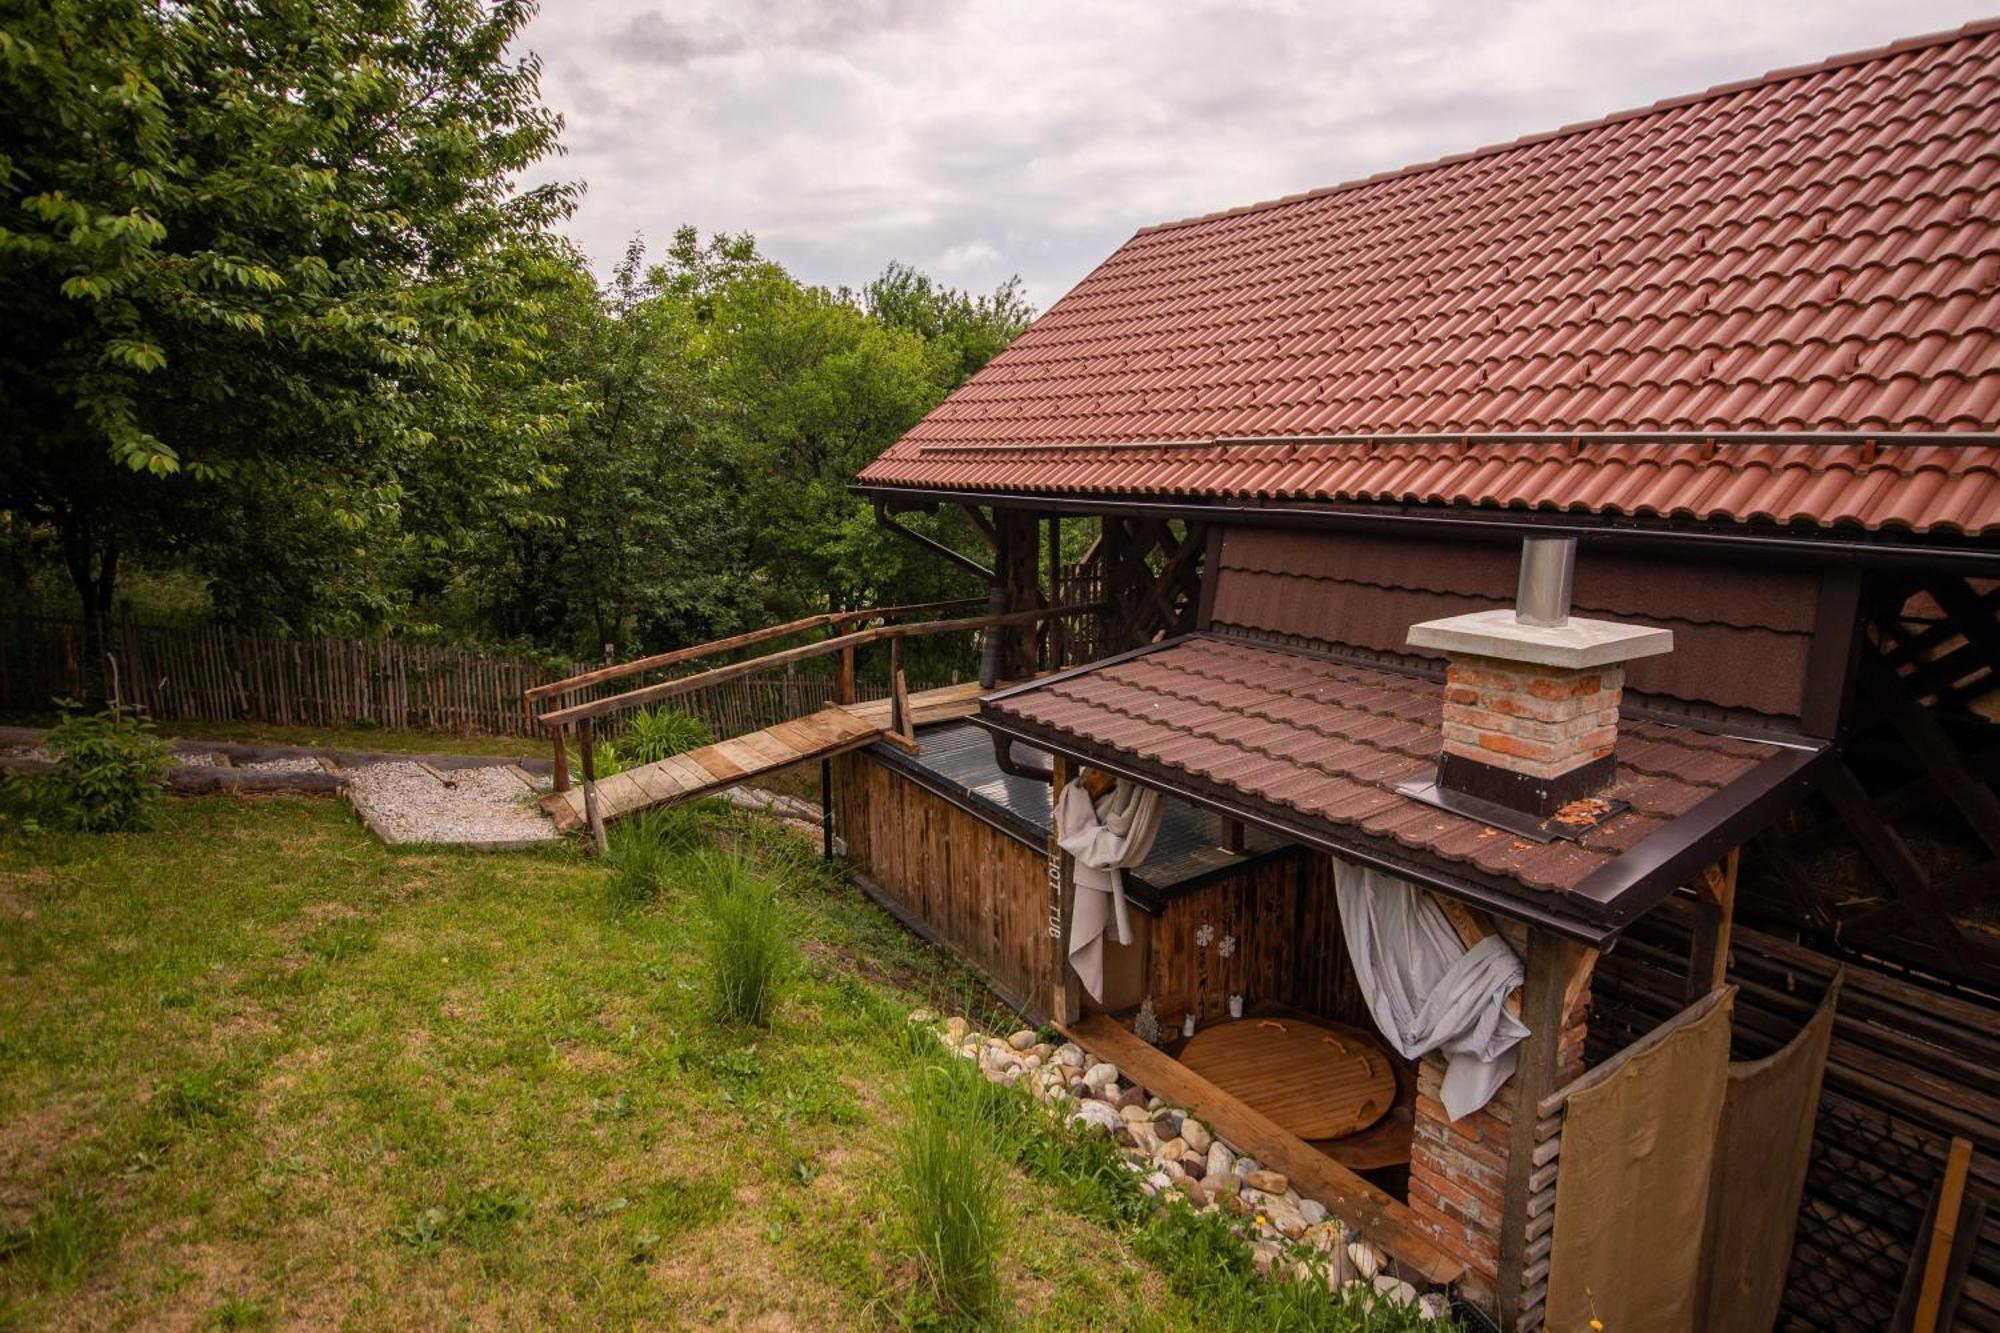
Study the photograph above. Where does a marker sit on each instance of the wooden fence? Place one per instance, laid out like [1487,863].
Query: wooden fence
[219,674]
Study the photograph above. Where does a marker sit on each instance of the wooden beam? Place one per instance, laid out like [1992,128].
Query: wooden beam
[859,639]
[1534,1078]
[591,813]
[1939,756]
[1951,1200]
[1066,991]
[1366,1210]
[982,526]
[1888,854]
[1714,912]
[822,621]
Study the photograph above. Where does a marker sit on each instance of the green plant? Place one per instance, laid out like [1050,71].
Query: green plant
[653,734]
[109,768]
[642,847]
[750,952]
[948,1179]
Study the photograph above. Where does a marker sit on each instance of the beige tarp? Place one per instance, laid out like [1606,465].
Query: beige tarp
[1638,1140]
[1759,1173]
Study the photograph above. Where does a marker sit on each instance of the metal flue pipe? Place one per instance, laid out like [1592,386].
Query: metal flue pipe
[1548,574]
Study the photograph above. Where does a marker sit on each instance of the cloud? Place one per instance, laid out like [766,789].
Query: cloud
[983,140]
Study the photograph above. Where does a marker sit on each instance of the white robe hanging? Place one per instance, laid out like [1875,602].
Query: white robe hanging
[1105,837]
[1425,989]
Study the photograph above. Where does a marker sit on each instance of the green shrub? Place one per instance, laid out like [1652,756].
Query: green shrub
[948,1179]
[750,953]
[109,769]
[652,734]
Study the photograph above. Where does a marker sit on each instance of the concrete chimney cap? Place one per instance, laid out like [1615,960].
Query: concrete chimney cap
[1576,645]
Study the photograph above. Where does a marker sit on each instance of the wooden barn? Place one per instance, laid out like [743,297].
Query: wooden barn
[1588,543]
[1491,696]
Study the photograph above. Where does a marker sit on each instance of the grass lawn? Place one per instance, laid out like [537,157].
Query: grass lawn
[255,1068]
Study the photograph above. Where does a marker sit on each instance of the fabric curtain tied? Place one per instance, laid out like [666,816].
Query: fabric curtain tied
[1105,836]
[1426,991]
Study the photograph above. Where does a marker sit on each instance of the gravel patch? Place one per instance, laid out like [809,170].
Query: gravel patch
[298,765]
[405,803]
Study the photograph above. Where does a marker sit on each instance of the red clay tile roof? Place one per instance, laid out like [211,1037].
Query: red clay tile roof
[1328,742]
[1816,251]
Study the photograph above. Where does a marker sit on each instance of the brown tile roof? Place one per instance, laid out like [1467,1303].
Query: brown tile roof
[1813,251]
[1326,742]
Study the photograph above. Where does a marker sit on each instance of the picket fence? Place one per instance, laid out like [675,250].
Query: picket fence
[220,674]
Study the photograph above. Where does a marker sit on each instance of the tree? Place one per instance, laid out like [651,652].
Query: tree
[254,257]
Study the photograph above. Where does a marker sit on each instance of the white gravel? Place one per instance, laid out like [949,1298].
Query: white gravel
[191,760]
[404,803]
[306,764]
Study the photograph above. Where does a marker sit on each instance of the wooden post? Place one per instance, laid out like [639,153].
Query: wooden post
[844,690]
[1714,911]
[1232,836]
[1534,1078]
[1066,994]
[826,809]
[902,728]
[1944,1231]
[562,759]
[1055,625]
[590,810]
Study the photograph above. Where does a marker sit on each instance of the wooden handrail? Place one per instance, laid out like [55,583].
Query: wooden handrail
[858,639]
[824,620]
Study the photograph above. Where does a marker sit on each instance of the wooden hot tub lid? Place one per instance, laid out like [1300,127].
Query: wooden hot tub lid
[1317,1080]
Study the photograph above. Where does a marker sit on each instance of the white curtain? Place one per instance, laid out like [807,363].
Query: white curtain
[1105,837]
[1425,989]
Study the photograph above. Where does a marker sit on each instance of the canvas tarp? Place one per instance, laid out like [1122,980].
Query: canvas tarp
[1638,1142]
[1104,836]
[1425,989]
[1760,1170]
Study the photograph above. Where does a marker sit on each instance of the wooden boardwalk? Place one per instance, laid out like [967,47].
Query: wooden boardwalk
[833,730]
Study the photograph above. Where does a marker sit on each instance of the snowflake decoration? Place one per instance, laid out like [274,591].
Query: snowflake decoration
[1227,948]
[1204,936]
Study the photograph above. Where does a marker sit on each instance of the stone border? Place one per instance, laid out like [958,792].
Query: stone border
[1182,1164]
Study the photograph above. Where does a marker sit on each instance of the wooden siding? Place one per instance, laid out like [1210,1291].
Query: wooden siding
[975,889]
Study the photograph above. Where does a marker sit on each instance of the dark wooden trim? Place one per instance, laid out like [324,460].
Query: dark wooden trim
[1714,913]
[1633,883]
[982,525]
[1940,758]
[965,562]
[1966,556]
[1066,991]
[1830,662]
[1211,572]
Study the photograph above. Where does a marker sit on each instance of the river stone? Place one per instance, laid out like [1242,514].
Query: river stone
[1271,1182]
[956,1028]
[1197,1135]
[1070,1056]
[1101,1075]
[1193,1165]
[1135,1098]
[1170,1120]
[1245,1164]
[1172,1147]
[1395,1289]
[1313,1211]
[1133,1115]
[1220,1160]
[1096,1116]
[1265,1254]
[1366,1258]
[1196,1193]
[1160,1180]
[1236,1204]
[922,1016]
[1219,1185]
[1024,1040]
[1434,1305]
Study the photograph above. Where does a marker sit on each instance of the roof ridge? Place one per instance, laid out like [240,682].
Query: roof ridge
[1783,74]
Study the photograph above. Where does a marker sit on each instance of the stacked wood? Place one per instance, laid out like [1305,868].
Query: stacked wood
[1908,1069]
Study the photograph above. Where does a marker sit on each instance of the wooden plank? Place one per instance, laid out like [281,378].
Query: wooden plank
[1066,988]
[1361,1206]
[1951,1199]
[775,753]
[1714,913]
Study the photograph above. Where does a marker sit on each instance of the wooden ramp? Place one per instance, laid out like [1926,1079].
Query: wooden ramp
[833,730]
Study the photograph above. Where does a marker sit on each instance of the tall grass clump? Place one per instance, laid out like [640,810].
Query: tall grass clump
[652,734]
[641,851]
[750,953]
[949,1172]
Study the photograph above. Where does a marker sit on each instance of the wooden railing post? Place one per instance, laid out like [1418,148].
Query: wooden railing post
[562,759]
[590,810]
[1066,988]
[846,685]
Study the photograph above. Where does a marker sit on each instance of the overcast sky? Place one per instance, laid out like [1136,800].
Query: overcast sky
[982,139]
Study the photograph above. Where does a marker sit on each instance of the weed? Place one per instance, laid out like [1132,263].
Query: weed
[475,1218]
[109,769]
[948,1183]
[751,956]
[62,1240]
[653,734]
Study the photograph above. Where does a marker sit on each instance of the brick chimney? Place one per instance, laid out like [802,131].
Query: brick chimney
[1531,693]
